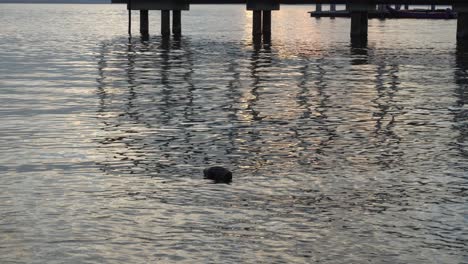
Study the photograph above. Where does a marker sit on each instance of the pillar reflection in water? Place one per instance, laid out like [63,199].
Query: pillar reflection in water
[158,113]
[312,97]
[459,111]
[387,110]
[359,50]
[135,99]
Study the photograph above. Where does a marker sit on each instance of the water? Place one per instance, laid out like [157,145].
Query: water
[339,154]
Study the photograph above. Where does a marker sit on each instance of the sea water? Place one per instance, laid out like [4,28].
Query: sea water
[340,153]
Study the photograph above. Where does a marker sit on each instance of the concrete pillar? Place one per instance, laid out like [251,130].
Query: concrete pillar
[257,23]
[165,6]
[462,27]
[359,23]
[129,22]
[462,23]
[266,22]
[144,24]
[165,23]
[262,11]
[358,44]
[381,10]
[129,8]
[332,10]
[318,8]
[359,18]
[176,22]
[266,26]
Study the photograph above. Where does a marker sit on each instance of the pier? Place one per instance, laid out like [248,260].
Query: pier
[388,12]
[357,10]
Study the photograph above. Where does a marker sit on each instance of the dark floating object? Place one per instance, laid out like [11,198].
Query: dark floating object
[218,174]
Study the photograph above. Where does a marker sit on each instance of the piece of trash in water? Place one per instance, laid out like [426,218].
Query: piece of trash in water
[218,174]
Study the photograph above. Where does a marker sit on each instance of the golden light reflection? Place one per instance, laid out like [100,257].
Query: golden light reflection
[293,32]
[247,38]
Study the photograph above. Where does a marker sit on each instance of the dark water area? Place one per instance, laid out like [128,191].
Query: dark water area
[339,154]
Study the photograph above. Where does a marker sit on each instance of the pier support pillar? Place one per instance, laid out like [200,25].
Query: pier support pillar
[318,8]
[257,23]
[359,19]
[165,6]
[332,10]
[261,19]
[144,24]
[359,23]
[462,23]
[462,27]
[176,23]
[266,26]
[129,8]
[165,23]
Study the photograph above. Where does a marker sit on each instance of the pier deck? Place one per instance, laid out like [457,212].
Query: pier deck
[385,13]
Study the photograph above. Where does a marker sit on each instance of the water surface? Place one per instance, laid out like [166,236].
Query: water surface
[340,154]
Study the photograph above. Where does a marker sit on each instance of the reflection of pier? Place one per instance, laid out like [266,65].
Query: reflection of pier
[261,20]
[166,108]
[387,109]
[153,113]
[459,111]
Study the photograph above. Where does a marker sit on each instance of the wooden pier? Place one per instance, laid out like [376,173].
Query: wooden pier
[358,10]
